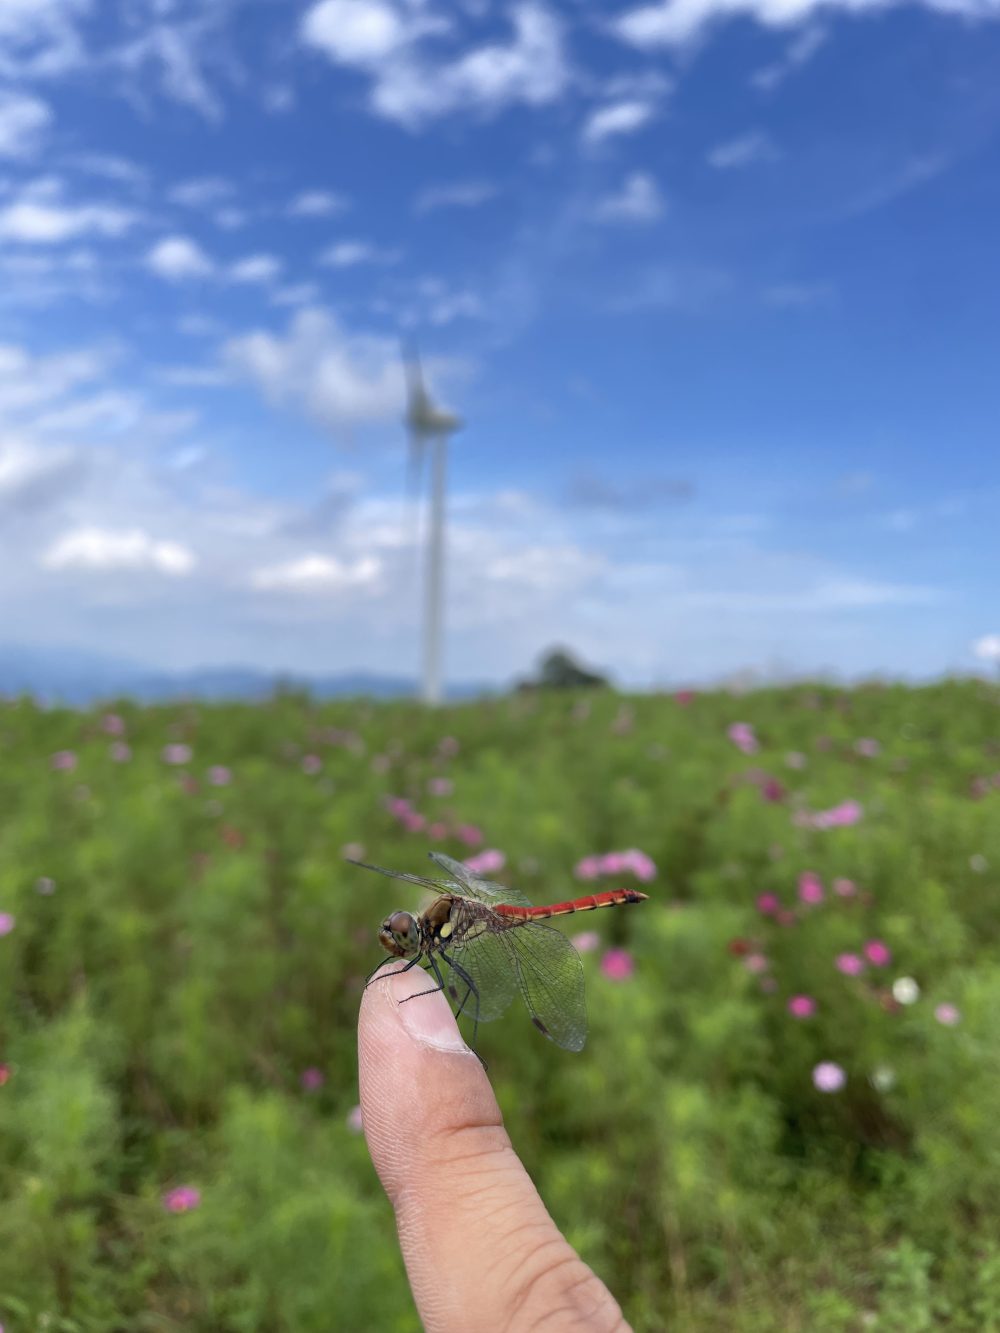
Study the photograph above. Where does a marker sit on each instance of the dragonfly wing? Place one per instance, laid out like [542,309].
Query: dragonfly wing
[489,962]
[550,975]
[474,887]
[434,885]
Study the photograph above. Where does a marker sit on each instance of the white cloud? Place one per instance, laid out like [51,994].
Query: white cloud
[987,649]
[173,50]
[31,477]
[348,254]
[317,574]
[743,151]
[799,53]
[617,118]
[638,200]
[38,37]
[178,258]
[256,268]
[316,204]
[461,194]
[201,192]
[677,22]
[132,549]
[317,367]
[39,217]
[23,122]
[410,86]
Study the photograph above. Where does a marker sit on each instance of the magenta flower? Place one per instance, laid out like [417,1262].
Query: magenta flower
[742,736]
[868,747]
[810,887]
[182,1199]
[413,822]
[756,963]
[113,725]
[312,1079]
[772,790]
[5,1073]
[828,1077]
[685,697]
[120,752]
[311,764]
[838,816]
[768,903]
[641,865]
[614,863]
[354,1120]
[177,754]
[845,888]
[618,964]
[802,1006]
[437,831]
[588,868]
[587,941]
[7,923]
[398,806]
[440,786]
[487,862]
[469,833]
[851,964]
[63,761]
[877,953]
[948,1014]
[219,775]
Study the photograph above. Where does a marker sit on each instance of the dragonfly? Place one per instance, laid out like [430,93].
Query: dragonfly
[484,944]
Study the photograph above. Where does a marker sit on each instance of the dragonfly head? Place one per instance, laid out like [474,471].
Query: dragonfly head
[400,935]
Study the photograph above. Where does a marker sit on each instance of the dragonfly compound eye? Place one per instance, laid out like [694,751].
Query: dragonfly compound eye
[400,934]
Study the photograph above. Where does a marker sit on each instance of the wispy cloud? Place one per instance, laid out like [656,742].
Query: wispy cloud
[349,254]
[639,200]
[179,259]
[130,549]
[317,204]
[41,215]
[617,119]
[412,84]
[798,53]
[744,151]
[24,121]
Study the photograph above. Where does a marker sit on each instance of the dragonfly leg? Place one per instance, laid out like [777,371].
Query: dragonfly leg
[431,990]
[471,989]
[373,974]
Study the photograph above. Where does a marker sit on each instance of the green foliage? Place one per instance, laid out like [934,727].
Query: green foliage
[204,945]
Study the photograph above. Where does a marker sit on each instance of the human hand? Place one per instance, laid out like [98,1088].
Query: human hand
[481,1252]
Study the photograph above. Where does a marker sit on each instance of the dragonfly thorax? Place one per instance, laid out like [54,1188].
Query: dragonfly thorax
[399,935]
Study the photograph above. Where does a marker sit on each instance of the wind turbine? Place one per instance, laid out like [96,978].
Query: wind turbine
[429,424]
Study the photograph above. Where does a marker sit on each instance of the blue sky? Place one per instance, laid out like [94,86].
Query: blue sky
[714,282]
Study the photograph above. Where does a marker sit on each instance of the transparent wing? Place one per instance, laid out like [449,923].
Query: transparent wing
[472,885]
[434,885]
[488,962]
[537,960]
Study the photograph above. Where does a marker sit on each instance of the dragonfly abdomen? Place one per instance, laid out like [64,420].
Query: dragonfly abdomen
[589,903]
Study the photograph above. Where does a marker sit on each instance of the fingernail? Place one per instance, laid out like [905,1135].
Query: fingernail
[427,1018]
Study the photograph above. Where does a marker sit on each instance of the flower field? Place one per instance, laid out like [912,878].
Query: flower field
[787,1114]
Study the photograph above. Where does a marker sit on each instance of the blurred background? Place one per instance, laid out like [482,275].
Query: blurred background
[697,300]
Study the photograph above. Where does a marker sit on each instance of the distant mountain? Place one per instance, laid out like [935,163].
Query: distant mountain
[68,676]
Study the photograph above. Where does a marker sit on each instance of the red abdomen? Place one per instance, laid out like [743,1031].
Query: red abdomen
[609,898]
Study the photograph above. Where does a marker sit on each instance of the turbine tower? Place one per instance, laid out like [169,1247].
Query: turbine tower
[429,424]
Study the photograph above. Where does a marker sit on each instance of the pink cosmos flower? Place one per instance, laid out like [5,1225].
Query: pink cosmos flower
[802,1006]
[177,754]
[867,747]
[810,887]
[311,764]
[641,865]
[618,964]
[845,888]
[487,862]
[851,964]
[948,1014]
[5,1073]
[877,953]
[413,822]
[469,833]
[587,941]
[613,863]
[588,868]
[398,806]
[354,1120]
[219,775]
[440,786]
[768,903]
[120,752]
[63,761]
[756,963]
[771,790]
[828,1077]
[113,725]
[7,923]
[182,1199]
[312,1079]
[685,697]
[742,736]
[437,831]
